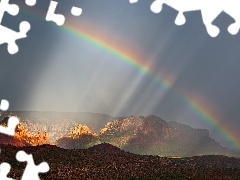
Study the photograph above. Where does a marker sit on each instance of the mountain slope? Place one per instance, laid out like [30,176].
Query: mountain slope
[22,136]
[80,138]
[152,135]
[137,134]
[58,124]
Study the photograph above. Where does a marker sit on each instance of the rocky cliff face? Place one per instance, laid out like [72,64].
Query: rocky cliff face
[57,124]
[152,135]
[134,131]
[22,136]
[80,138]
[136,134]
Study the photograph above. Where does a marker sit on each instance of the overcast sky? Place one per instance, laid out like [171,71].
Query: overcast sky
[55,70]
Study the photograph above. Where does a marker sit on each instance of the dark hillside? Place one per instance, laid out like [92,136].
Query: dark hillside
[93,164]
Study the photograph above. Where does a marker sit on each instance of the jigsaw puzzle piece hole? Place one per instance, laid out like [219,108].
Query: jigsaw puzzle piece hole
[24,26]
[180,19]
[233,28]
[44,167]
[13,48]
[156,6]
[4,105]
[13,10]
[30,2]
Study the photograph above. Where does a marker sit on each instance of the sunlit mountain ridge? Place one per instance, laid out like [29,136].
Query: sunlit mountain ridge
[137,134]
[58,124]
[22,136]
[152,135]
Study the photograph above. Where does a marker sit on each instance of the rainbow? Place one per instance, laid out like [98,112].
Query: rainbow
[197,104]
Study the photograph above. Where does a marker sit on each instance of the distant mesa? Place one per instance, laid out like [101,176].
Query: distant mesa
[149,135]
[136,134]
[22,136]
[152,135]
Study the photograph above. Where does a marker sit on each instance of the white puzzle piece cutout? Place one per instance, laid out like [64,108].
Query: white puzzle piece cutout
[11,36]
[7,35]
[11,126]
[210,10]
[4,170]
[133,1]
[59,19]
[76,11]
[30,2]
[31,171]
[4,105]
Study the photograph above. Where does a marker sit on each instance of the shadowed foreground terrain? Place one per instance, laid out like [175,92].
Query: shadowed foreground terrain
[105,161]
